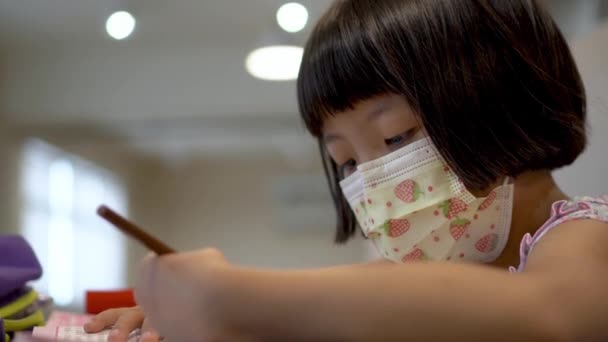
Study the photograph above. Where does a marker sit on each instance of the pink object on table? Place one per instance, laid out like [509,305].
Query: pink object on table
[61,318]
[26,337]
[66,334]
[74,334]
[66,327]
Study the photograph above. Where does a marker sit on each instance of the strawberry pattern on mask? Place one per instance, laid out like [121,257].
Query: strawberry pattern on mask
[446,222]
[408,191]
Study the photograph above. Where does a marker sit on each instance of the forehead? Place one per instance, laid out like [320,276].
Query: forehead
[366,111]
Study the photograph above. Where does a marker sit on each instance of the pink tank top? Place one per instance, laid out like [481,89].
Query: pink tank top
[579,208]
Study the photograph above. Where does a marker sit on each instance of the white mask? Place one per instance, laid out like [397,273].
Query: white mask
[413,207]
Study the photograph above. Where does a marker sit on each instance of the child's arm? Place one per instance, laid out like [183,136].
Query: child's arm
[125,320]
[419,302]
[562,296]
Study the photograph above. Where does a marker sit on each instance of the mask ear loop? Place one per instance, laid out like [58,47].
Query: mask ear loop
[507,196]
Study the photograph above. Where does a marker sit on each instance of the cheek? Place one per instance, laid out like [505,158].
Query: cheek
[340,152]
[420,134]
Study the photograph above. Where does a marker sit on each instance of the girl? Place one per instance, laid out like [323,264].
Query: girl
[439,123]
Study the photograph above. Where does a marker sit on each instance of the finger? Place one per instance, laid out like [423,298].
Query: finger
[149,334]
[129,321]
[145,278]
[103,320]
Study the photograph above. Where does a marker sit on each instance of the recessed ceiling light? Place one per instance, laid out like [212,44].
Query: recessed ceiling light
[275,63]
[120,25]
[292,17]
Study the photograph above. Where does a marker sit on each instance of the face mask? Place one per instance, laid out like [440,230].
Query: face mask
[413,208]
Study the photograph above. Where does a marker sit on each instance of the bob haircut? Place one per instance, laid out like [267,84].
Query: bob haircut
[493,82]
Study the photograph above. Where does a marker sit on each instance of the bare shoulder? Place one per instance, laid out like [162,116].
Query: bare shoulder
[570,264]
[576,244]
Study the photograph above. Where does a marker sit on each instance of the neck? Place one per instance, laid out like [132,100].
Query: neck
[534,194]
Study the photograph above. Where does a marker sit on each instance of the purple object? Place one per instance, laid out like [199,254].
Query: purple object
[18,265]
[14,295]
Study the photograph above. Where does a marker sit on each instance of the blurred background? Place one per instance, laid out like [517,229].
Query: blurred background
[183,116]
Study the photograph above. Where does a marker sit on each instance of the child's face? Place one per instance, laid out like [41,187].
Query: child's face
[370,130]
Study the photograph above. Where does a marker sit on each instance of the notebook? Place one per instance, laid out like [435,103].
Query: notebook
[75,334]
[65,326]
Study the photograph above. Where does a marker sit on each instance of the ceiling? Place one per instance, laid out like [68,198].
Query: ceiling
[35,22]
[178,84]
[82,21]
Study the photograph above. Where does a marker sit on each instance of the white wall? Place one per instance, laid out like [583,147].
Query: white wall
[9,175]
[228,204]
[225,202]
[577,18]
[589,175]
[198,202]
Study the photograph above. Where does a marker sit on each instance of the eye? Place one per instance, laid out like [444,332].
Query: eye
[401,139]
[348,168]
[396,140]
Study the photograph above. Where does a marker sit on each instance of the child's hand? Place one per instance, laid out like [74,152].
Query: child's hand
[122,322]
[182,294]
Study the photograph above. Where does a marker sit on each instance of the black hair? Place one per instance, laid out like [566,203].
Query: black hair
[493,82]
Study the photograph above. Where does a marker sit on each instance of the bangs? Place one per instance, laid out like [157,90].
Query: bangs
[342,65]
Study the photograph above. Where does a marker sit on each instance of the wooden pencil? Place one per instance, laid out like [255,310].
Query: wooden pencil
[134,231]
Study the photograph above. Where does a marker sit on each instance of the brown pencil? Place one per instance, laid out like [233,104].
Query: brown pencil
[133,231]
